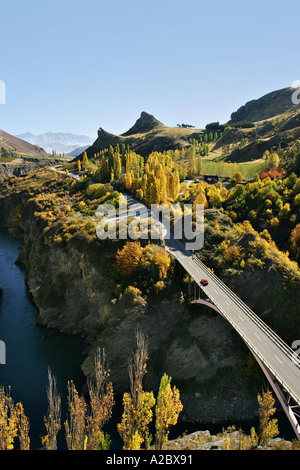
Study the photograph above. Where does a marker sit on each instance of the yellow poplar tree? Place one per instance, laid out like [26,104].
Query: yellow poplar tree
[84,161]
[167,410]
[53,419]
[101,402]
[128,180]
[13,423]
[75,427]
[162,261]
[268,427]
[137,414]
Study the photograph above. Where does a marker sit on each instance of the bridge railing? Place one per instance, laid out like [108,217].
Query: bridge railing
[273,336]
[271,333]
[260,356]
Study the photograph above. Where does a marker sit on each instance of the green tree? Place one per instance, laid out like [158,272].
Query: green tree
[199,164]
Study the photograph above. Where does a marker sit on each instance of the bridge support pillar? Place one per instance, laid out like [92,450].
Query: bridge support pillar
[287,408]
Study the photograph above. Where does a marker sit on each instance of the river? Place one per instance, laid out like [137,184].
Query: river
[31,349]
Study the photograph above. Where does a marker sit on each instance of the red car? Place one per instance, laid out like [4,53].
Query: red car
[204,282]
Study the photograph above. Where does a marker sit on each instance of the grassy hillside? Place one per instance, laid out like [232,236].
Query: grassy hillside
[268,125]
[12,147]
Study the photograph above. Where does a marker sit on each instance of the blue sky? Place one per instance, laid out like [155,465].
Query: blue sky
[75,66]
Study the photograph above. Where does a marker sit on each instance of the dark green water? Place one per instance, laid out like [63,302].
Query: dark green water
[30,350]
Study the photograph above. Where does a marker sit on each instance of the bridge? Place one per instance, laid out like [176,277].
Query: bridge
[277,360]
[275,357]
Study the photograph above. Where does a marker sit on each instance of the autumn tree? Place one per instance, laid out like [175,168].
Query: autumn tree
[53,419]
[75,426]
[118,166]
[13,423]
[191,160]
[167,410]
[101,404]
[174,185]
[295,241]
[268,427]
[128,257]
[199,164]
[138,404]
[84,428]
[84,161]
[162,261]
[273,160]
[237,176]
[128,180]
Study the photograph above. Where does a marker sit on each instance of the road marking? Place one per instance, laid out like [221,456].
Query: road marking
[257,336]
[226,303]
[277,358]
[241,318]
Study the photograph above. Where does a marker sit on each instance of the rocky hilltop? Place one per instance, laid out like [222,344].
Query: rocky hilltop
[268,106]
[264,124]
[145,136]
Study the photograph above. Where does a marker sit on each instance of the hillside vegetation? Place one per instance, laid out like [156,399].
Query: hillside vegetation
[266,125]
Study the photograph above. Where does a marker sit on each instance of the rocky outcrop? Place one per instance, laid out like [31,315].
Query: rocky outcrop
[229,439]
[145,123]
[145,136]
[270,105]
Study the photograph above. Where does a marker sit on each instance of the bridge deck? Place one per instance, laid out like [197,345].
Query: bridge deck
[271,350]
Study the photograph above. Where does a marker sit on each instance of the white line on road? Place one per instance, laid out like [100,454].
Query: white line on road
[257,336]
[277,358]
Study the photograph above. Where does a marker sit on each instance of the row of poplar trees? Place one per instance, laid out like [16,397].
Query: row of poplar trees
[86,419]
[156,180]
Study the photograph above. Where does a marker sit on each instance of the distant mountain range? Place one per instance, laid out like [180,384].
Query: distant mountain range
[60,142]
